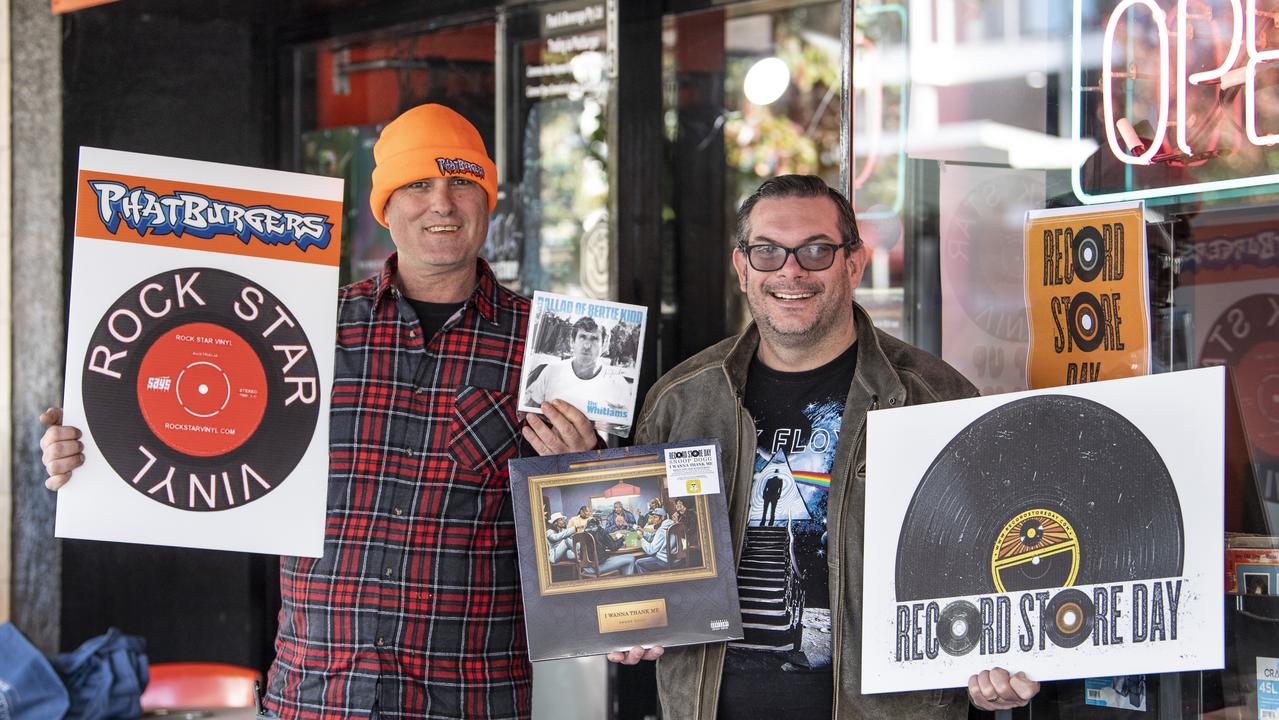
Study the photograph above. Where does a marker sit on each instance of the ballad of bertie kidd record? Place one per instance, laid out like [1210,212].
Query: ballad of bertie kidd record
[200,353]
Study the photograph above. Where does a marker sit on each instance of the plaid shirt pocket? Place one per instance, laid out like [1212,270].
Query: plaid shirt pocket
[484,429]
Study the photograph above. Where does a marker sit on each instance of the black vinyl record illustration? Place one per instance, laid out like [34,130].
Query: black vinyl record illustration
[1043,492]
[959,627]
[1069,618]
[200,389]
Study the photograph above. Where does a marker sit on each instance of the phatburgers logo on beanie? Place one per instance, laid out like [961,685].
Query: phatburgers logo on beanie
[458,166]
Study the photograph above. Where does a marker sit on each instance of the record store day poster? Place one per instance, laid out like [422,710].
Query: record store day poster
[1065,533]
[200,354]
[1087,294]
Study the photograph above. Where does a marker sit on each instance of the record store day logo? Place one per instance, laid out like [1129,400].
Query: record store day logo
[1048,531]
[1087,297]
[1062,512]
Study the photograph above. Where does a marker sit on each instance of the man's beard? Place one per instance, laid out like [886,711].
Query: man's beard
[824,320]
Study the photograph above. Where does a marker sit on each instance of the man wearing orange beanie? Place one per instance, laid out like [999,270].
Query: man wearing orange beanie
[414,610]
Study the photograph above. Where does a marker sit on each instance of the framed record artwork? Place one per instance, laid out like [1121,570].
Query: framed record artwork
[1046,531]
[200,354]
[624,547]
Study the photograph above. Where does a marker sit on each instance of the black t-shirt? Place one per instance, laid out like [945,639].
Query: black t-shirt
[782,668]
[432,316]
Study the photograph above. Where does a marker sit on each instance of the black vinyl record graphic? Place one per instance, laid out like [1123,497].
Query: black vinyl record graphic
[1046,491]
[959,627]
[1069,617]
[200,389]
[1085,321]
[1087,253]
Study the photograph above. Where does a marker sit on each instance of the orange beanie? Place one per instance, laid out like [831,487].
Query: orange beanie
[425,142]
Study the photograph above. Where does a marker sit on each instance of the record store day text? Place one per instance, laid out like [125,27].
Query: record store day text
[1121,613]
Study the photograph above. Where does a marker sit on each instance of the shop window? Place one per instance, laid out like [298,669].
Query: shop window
[998,107]
[345,89]
[753,91]
[560,83]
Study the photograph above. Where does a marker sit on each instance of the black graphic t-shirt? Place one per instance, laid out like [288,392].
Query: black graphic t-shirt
[782,668]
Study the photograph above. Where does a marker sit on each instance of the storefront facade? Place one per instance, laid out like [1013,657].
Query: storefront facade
[625,134]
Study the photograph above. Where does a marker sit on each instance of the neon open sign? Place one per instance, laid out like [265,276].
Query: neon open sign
[1176,99]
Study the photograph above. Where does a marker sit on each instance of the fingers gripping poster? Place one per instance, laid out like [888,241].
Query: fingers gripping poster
[1064,533]
[200,354]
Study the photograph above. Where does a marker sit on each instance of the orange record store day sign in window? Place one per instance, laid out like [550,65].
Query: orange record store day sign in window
[200,353]
[1087,296]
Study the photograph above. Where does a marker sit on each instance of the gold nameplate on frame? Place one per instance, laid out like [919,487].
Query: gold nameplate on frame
[632,615]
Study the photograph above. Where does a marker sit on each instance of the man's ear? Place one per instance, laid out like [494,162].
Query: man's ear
[857,259]
[741,266]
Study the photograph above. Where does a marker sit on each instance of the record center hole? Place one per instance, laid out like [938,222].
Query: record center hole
[1069,617]
[1034,560]
[959,628]
[1087,254]
[1085,321]
[203,389]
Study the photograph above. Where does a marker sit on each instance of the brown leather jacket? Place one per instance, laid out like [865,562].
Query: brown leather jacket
[702,397]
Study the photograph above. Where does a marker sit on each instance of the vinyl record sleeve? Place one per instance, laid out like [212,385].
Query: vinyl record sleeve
[200,354]
[587,353]
[611,584]
[1065,532]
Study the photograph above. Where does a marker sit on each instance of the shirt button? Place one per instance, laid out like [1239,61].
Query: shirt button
[398,511]
[408,451]
[380,642]
[412,333]
[387,572]
[420,390]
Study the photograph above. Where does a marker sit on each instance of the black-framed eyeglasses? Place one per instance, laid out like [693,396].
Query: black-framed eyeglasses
[812,257]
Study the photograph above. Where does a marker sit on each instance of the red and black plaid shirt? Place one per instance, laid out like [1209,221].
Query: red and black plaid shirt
[415,605]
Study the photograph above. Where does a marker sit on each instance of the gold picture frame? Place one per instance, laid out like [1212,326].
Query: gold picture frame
[695,544]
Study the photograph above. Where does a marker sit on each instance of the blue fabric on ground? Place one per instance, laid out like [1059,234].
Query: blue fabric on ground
[105,677]
[29,688]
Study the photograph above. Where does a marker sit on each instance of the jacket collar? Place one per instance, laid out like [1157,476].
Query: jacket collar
[874,381]
[486,297]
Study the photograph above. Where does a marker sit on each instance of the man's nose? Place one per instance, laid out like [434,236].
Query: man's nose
[439,199]
[791,266]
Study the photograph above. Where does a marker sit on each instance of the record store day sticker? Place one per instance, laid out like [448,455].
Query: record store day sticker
[1066,532]
[692,471]
[200,354]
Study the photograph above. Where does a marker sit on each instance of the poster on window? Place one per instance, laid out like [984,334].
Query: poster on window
[200,353]
[1087,294]
[984,327]
[1064,532]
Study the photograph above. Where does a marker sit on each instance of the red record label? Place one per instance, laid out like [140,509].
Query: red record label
[202,389]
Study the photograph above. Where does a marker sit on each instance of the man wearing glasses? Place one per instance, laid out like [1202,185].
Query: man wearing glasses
[799,380]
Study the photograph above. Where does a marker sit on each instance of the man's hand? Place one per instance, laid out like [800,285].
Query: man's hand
[996,689]
[635,654]
[563,429]
[63,451]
